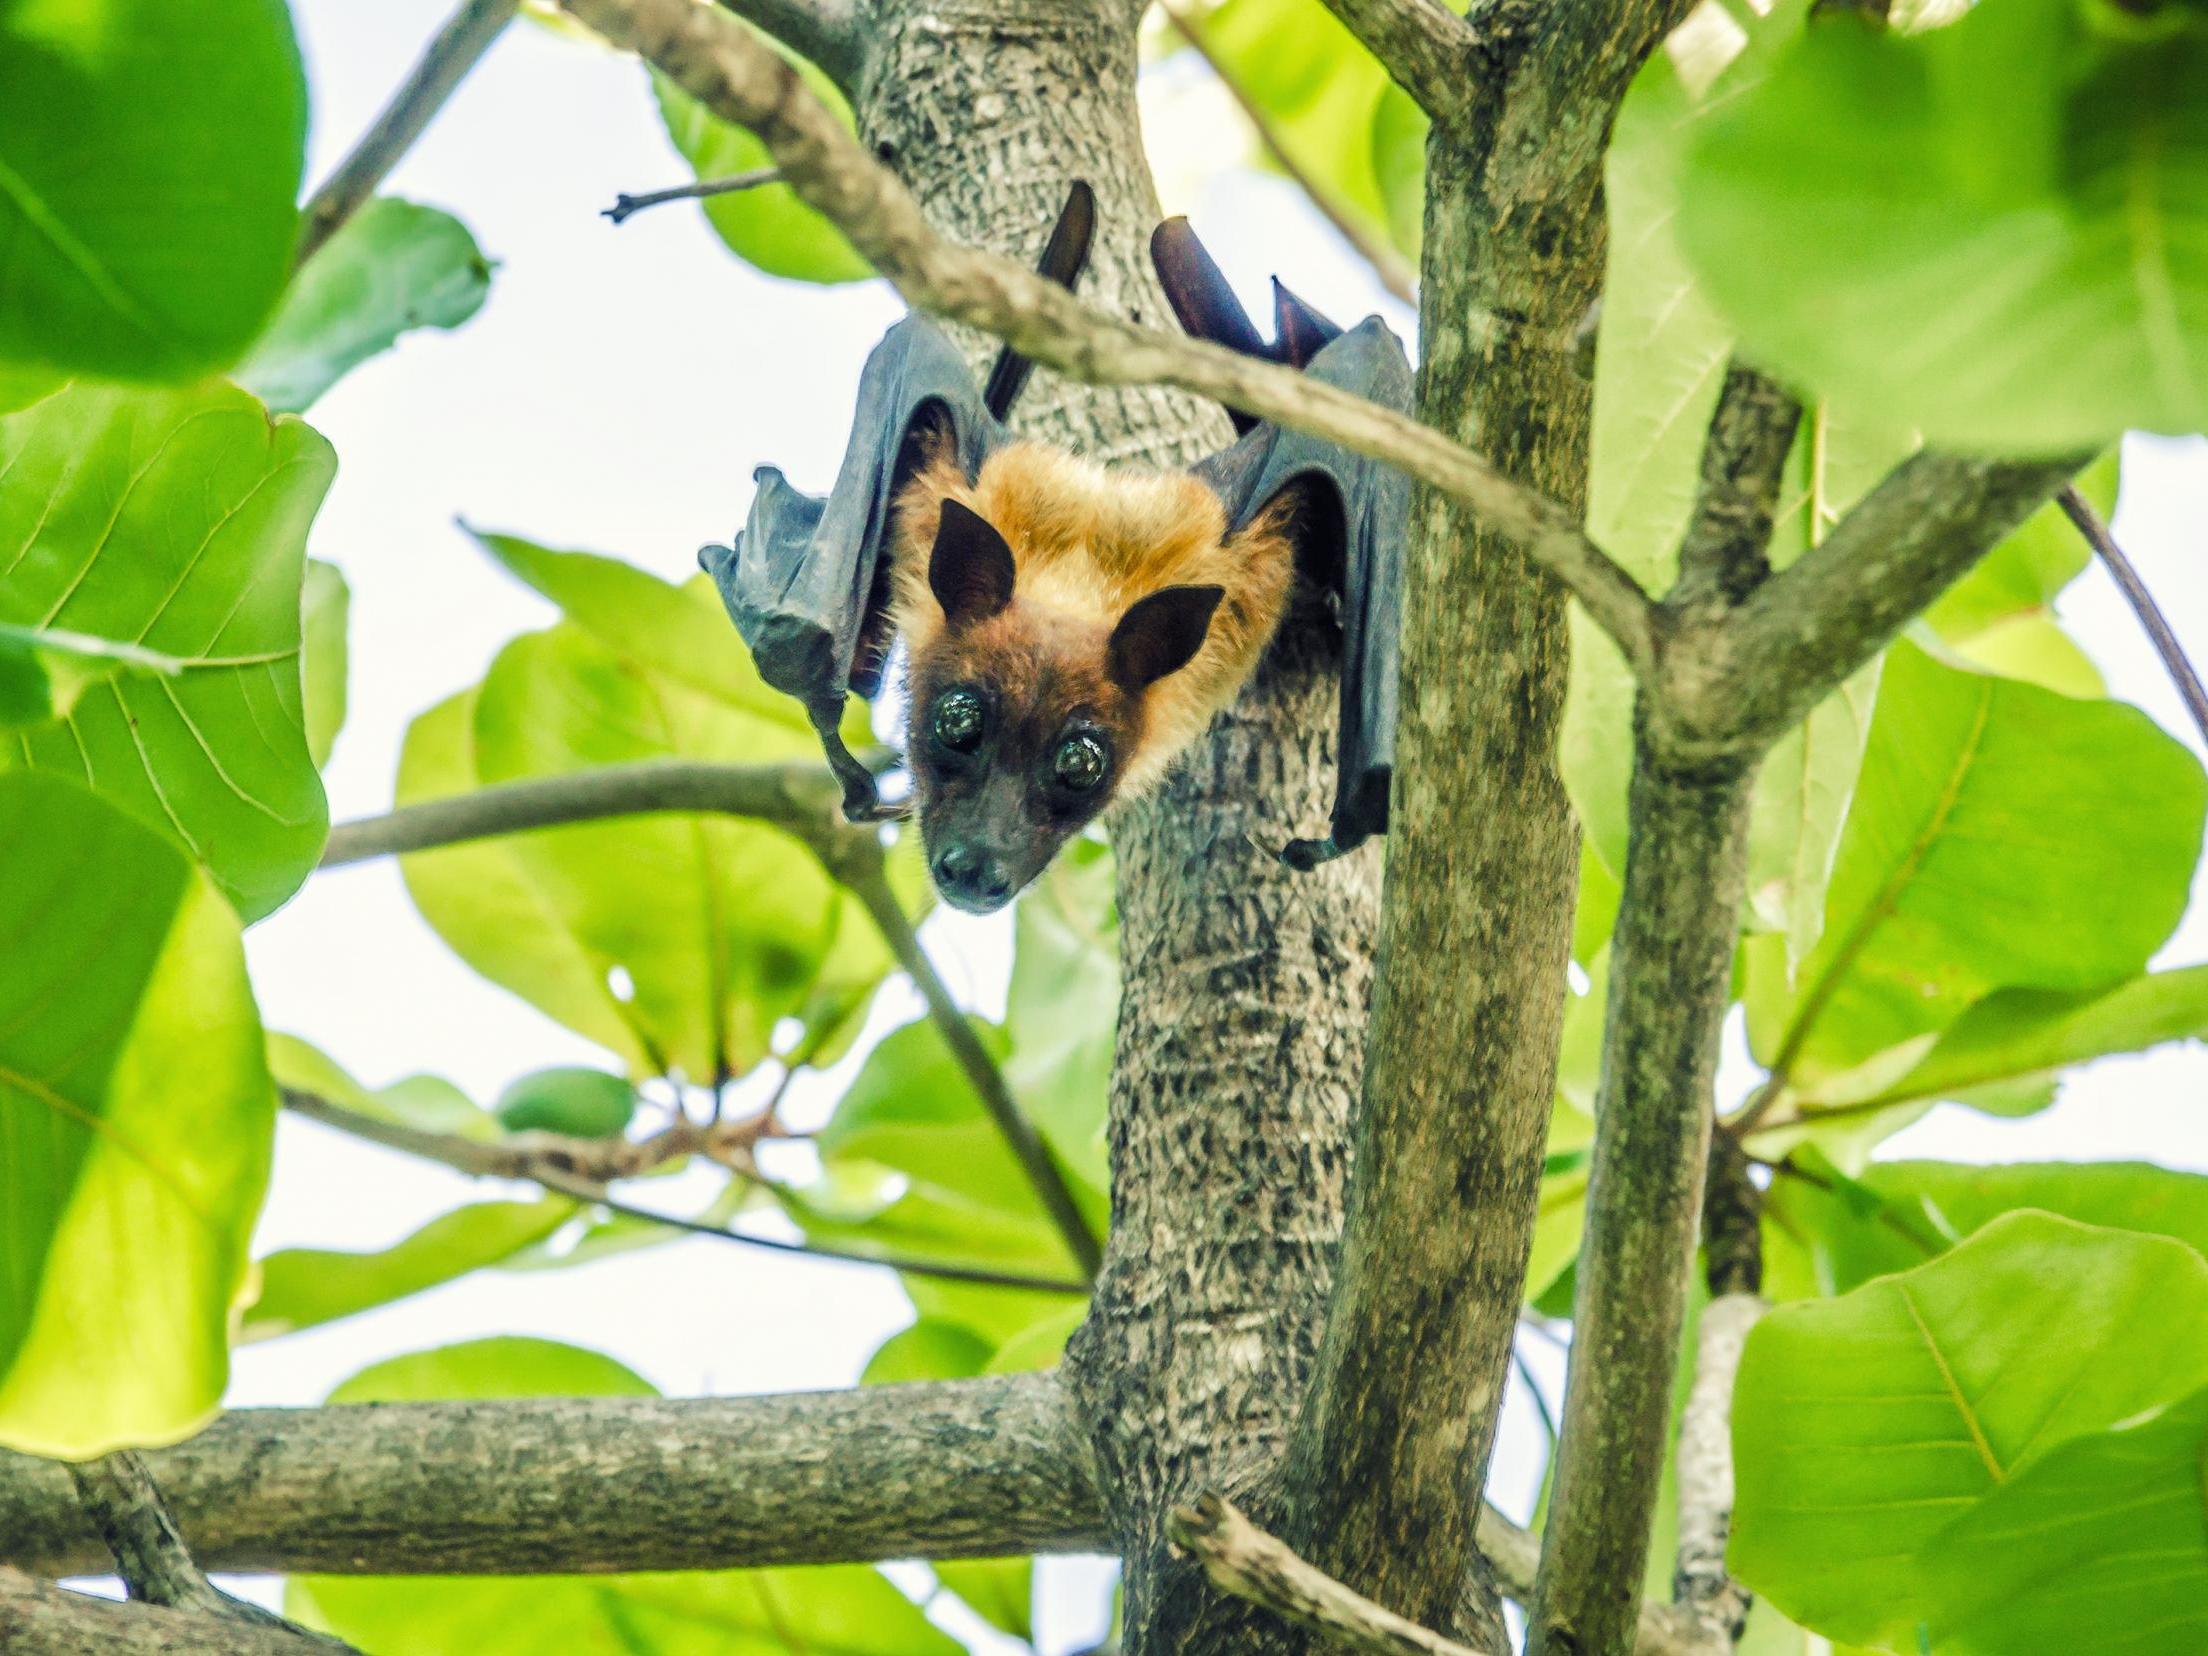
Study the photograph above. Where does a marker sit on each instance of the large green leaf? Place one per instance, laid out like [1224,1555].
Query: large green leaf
[1062,1011]
[393,266]
[678,942]
[427,1102]
[174,523]
[150,156]
[135,1121]
[845,1610]
[305,1287]
[1863,1425]
[767,226]
[2101,1546]
[1987,810]
[1896,1215]
[1997,230]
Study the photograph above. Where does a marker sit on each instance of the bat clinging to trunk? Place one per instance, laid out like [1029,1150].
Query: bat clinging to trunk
[1072,628]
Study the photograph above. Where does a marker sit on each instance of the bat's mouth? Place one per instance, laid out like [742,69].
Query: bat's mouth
[967,904]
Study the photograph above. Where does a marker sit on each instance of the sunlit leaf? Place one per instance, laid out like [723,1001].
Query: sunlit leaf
[150,157]
[1997,230]
[575,1100]
[842,1610]
[1062,1009]
[174,524]
[1864,1425]
[392,267]
[1985,807]
[426,1102]
[135,1123]
[326,605]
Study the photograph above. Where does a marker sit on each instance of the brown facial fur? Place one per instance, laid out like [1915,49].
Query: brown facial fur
[1086,545]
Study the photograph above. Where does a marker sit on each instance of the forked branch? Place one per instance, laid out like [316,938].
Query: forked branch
[1427,49]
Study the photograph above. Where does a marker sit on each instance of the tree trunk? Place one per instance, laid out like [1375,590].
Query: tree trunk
[1245,985]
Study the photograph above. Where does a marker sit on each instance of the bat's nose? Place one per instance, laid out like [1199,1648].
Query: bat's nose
[971,879]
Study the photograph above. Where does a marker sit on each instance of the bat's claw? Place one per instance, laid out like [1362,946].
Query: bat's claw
[1303,855]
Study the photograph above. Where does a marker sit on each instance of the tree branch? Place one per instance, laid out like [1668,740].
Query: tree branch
[1247,1562]
[962,1469]
[580,1167]
[826,33]
[41,1618]
[1701,1588]
[2174,660]
[1736,685]
[1426,49]
[742,81]
[463,40]
[1686,870]
[626,207]
[1724,555]
[1393,270]
[799,798]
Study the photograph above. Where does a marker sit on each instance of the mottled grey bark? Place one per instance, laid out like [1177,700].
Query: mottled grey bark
[958,1470]
[1242,1013]
[39,1618]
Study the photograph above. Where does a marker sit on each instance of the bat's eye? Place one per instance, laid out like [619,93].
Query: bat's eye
[1080,762]
[957,720]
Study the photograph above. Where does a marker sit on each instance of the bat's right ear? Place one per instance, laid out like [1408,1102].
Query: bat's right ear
[971,570]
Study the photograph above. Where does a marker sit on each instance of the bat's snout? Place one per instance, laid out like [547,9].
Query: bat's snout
[971,879]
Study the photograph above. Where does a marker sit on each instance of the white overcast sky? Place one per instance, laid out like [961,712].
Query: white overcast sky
[615,394]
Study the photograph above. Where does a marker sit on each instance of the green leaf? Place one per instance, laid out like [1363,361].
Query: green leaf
[768,227]
[677,942]
[305,1287]
[1863,1425]
[326,611]
[581,1102]
[392,267]
[2021,1036]
[174,523]
[2101,1546]
[21,386]
[1997,230]
[427,1102]
[1897,1215]
[135,1122]
[843,1610]
[1985,806]
[150,157]
[1062,1012]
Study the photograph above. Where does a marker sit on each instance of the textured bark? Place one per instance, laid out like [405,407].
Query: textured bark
[1701,1587]
[967,1469]
[1386,1469]
[1671,961]
[38,1618]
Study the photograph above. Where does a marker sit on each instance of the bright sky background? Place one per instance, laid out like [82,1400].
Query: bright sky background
[614,395]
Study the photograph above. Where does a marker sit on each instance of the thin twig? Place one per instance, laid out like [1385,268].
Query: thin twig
[2128,581]
[535,1157]
[742,81]
[1245,1561]
[1393,270]
[459,45]
[626,207]
[1701,1585]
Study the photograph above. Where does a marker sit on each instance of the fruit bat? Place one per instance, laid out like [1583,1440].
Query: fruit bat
[1071,627]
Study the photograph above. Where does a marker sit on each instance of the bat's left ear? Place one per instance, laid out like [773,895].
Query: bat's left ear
[970,570]
[1160,634]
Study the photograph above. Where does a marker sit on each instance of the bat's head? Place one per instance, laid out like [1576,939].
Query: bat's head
[1025,719]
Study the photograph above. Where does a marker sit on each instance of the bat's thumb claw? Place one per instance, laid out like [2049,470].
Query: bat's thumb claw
[1303,855]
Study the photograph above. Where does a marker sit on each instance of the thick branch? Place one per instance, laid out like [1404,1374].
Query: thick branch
[2128,581]
[799,797]
[1737,685]
[742,81]
[1686,869]
[580,1167]
[966,1469]
[1247,1562]
[827,33]
[1724,555]
[1393,270]
[1426,49]
[41,1618]
[463,40]
[1701,1587]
